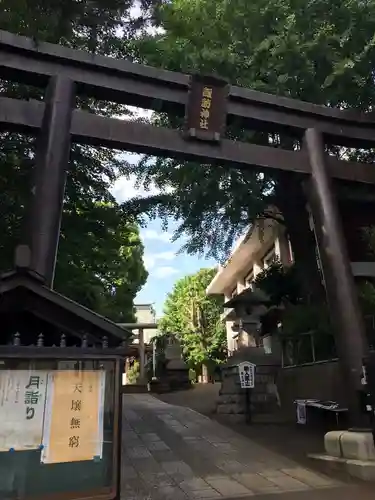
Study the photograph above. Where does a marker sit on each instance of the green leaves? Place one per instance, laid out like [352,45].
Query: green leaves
[280,284]
[195,319]
[100,253]
[304,49]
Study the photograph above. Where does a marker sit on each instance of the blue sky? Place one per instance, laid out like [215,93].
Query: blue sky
[162,260]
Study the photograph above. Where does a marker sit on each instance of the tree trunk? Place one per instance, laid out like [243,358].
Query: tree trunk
[291,201]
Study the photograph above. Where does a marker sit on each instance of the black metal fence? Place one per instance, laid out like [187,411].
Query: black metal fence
[307,348]
[312,347]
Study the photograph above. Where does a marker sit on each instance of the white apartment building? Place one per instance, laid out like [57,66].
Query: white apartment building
[145,313]
[264,242]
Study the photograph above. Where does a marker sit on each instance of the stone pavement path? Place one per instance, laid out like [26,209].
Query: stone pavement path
[174,453]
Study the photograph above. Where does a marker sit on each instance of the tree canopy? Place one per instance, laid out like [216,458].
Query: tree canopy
[296,48]
[100,26]
[194,318]
[100,253]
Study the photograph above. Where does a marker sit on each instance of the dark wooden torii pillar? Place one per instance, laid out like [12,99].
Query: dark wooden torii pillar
[51,163]
[340,287]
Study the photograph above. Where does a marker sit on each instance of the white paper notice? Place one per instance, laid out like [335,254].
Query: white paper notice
[246,371]
[73,420]
[22,400]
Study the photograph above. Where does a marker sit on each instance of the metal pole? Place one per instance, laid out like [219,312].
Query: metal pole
[154,360]
[248,405]
[340,286]
[141,338]
[51,162]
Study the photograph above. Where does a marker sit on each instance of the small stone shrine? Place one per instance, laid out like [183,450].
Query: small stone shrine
[249,307]
[175,373]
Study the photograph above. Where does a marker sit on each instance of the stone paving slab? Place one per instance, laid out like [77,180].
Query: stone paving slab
[228,487]
[284,481]
[256,483]
[174,453]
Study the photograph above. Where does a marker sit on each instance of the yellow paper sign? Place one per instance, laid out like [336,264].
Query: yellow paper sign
[73,427]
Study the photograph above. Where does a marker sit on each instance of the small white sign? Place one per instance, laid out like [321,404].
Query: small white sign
[301,413]
[246,371]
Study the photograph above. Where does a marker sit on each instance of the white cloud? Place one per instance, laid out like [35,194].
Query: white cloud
[164,271]
[151,234]
[134,112]
[150,260]
[125,189]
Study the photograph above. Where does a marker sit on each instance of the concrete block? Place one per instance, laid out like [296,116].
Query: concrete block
[350,445]
[358,446]
[359,469]
[332,443]
[364,470]
[329,465]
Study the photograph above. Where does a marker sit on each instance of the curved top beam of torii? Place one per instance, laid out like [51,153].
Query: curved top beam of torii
[133,84]
[152,88]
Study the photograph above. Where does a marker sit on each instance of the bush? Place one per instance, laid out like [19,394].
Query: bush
[133,373]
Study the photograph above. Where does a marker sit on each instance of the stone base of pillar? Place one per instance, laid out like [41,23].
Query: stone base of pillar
[351,452]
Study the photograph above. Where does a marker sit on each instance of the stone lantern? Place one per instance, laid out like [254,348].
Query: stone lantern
[248,309]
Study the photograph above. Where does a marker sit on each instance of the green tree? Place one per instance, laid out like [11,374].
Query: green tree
[280,284]
[296,48]
[100,26]
[195,319]
[108,271]
[100,254]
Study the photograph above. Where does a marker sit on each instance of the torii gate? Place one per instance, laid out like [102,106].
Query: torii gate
[142,348]
[210,104]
